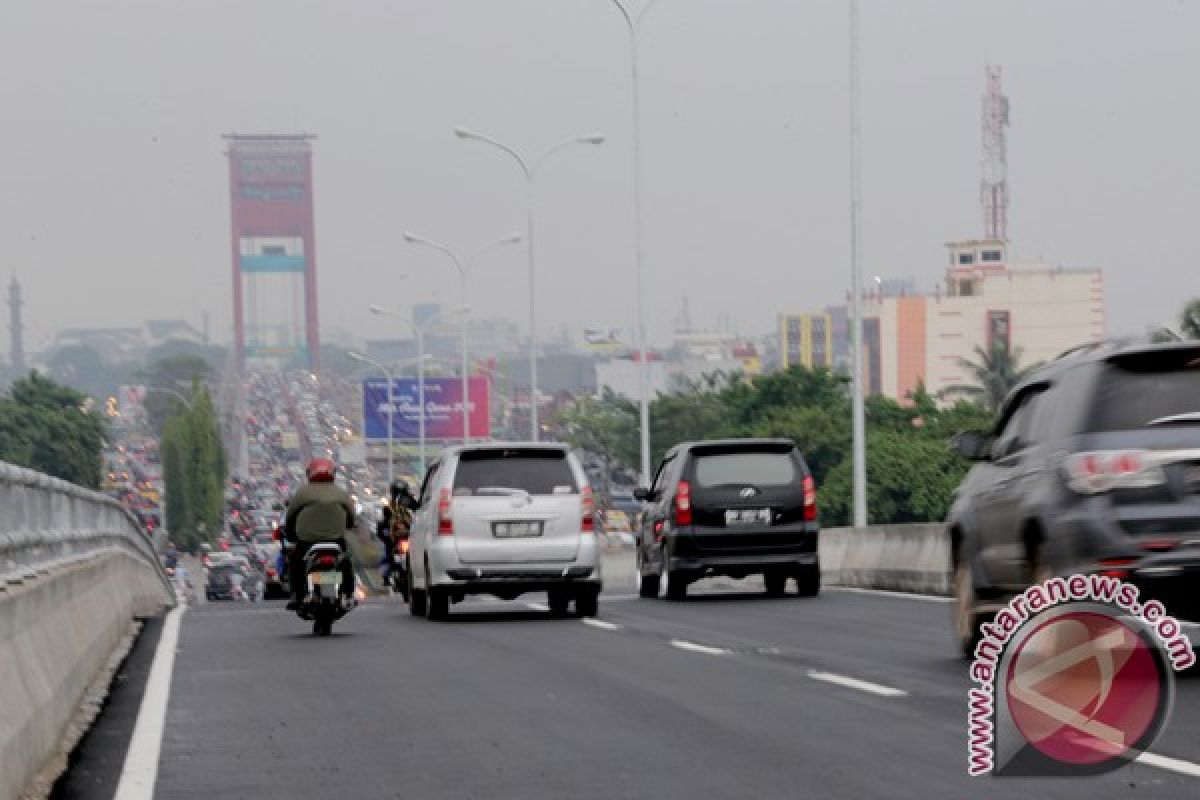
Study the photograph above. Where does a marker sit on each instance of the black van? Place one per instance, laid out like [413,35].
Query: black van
[733,507]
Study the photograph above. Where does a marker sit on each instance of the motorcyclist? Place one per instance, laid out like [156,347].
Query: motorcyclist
[403,504]
[171,556]
[320,511]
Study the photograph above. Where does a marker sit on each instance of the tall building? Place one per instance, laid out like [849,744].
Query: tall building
[16,326]
[984,303]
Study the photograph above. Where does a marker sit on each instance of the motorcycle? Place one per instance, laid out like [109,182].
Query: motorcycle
[325,603]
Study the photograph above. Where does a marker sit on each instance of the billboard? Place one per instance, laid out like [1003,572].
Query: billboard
[443,408]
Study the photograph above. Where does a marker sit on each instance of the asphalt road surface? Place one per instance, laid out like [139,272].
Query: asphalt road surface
[727,695]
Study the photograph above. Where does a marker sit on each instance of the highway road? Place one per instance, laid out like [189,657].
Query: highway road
[727,695]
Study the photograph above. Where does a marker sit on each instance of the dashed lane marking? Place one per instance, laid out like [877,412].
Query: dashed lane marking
[692,647]
[855,683]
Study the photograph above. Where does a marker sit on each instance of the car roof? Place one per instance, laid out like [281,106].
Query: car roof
[482,446]
[773,441]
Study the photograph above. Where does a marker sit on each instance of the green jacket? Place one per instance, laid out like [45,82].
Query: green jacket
[319,512]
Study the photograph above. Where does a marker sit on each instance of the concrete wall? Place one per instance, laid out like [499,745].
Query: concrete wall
[910,558]
[75,570]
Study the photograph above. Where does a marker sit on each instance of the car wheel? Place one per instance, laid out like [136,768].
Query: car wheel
[437,604]
[416,598]
[776,583]
[559,601]
[966,617]
[808,582]
[647,585]
[587,603]
[674,587]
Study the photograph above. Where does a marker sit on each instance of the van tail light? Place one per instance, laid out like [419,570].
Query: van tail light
[445,514]
[588,502]
[1098,471]
[683,504]
[810,499]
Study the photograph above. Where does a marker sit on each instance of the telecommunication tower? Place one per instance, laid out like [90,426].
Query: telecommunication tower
[993,188]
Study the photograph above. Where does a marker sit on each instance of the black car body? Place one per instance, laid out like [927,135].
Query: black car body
[734,507]
[1093,467]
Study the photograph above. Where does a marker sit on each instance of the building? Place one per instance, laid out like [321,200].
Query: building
[985,303]
[815,340]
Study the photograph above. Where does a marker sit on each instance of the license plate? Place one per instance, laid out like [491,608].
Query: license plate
[515,530]
[397,558]
[748,516]
[324,578]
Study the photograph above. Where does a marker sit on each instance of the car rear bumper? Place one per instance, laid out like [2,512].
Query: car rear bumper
[515,580]
[736,565]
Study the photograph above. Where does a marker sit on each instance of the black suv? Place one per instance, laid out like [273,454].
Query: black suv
[732,507]
[1094,466]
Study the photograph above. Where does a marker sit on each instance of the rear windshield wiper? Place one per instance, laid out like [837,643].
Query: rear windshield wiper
[1191,417]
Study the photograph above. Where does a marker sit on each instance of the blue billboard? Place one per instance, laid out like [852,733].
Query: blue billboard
[443,408]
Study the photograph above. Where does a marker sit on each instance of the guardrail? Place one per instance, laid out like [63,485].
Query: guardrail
[76,569]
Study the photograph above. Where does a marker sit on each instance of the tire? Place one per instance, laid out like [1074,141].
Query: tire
[673,583]
[322,622]
[647,585]
[416,598]
[776,583]
[437,604]
[587,603]
[558,600]
[966,617]
[808,582]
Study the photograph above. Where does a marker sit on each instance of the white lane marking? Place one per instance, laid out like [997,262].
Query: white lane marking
[140,772]
[683,644]
[538,606]
[1172,764]
[855,683]
[601,624]
[608,597]
[928,598]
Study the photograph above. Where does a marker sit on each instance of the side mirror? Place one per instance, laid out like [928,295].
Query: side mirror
[972,446]
[642,493]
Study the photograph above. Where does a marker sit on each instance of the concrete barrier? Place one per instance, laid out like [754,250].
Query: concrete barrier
[75,570]
[909,558]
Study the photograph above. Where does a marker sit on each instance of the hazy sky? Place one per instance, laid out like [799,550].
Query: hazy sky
[114,196]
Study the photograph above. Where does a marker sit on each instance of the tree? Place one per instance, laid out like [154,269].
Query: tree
[194,471]
[1189,320]
[174,373]
[43,426]
[994,375]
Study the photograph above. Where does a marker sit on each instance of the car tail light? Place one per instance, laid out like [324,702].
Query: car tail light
[683,504]
[445,514]
[588,503]
[270,572]
[810,499]
[403,546]
[1110,567]
[1098,471]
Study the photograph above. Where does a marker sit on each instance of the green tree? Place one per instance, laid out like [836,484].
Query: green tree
[194,471]
[43,426]
[175,373]
[993,374]
[607,426]
[1189,320]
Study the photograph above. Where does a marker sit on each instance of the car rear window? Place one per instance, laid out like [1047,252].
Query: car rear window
[741,468]
[1134,391]
[537,471]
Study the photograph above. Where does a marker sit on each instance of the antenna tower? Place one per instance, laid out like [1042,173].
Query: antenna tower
[993,188]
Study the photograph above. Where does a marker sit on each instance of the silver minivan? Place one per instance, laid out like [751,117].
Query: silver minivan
[504,519]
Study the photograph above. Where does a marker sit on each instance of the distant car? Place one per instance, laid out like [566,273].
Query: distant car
[504,519]
[733,507]
[219,584]
[1093,467]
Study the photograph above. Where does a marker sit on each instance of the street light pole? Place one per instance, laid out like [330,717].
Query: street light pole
[530,172]
[464,269]
[858,412]
[633,24]
[419,336]
[391,410]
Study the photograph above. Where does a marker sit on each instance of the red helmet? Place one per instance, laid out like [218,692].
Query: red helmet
[320,470]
